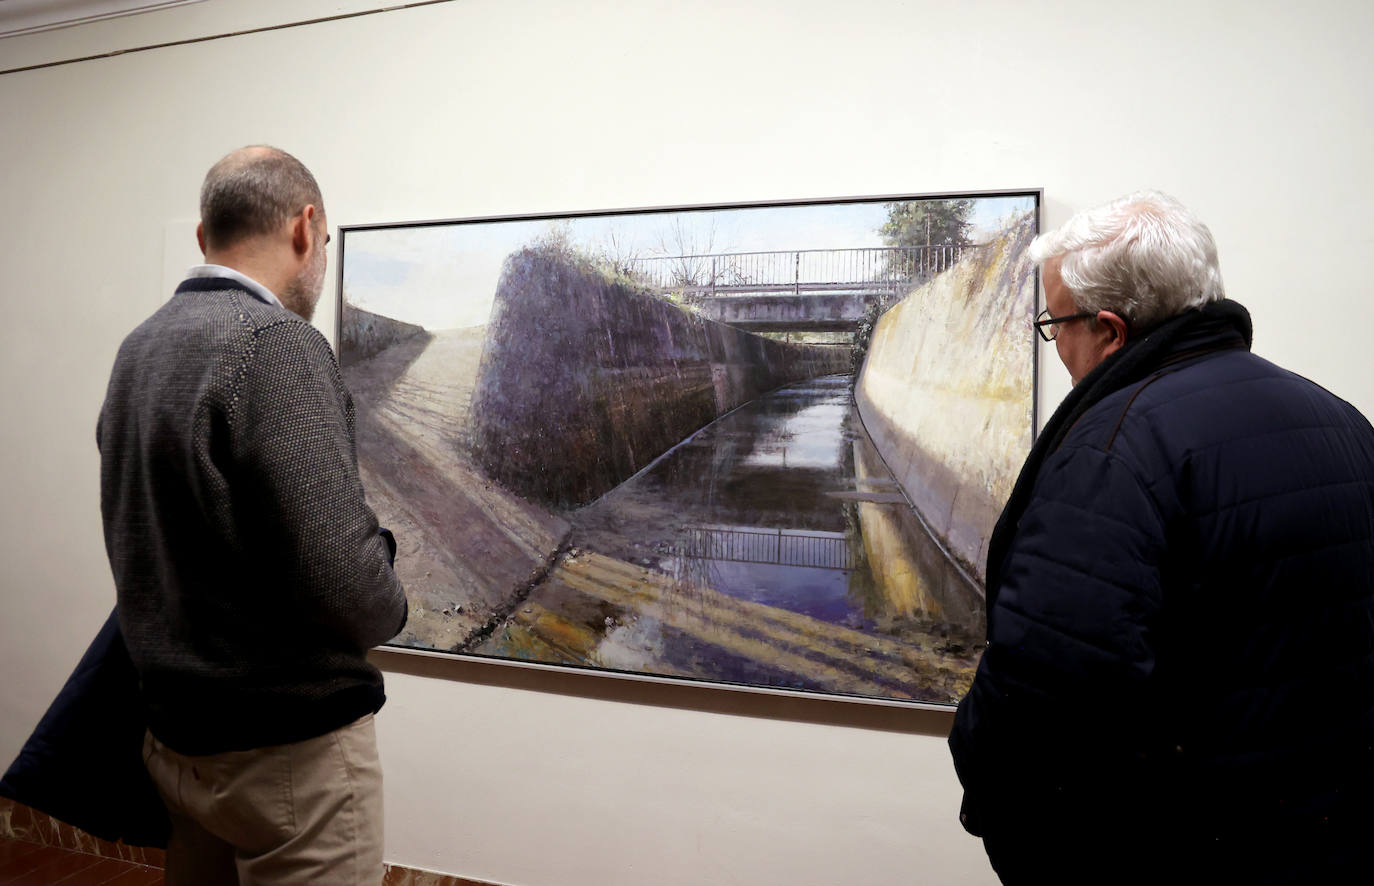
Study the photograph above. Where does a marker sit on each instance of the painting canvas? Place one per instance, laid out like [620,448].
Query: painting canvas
[757,446]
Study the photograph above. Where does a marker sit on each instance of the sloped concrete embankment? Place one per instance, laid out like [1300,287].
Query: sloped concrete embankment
[586,379]
[467,548]
[946,395]
[364,334]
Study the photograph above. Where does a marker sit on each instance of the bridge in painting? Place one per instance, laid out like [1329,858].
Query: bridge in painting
[800,290]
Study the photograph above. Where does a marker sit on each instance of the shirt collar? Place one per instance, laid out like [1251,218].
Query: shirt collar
[261,292]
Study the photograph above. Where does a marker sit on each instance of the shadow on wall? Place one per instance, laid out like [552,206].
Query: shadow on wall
[947,390]
[585,378]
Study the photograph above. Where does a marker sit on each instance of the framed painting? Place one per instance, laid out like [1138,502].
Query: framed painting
[759,446]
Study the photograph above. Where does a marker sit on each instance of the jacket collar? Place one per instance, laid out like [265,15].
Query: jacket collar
[1217,325]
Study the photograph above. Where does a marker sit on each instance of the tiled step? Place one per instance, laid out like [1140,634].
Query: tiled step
[38,850]
[33,864]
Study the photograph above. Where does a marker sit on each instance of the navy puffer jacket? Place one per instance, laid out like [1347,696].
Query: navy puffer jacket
[1179,679]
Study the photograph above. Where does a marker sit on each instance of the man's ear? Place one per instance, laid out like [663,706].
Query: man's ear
[200,236]
[303,231]
[1115,331]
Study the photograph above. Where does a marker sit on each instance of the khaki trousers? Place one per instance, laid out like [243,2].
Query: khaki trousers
[302,813]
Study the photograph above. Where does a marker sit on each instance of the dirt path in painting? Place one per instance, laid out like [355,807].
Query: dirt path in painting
[466,547]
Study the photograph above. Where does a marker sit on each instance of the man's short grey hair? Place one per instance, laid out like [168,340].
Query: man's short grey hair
[254,191]
[1145,257]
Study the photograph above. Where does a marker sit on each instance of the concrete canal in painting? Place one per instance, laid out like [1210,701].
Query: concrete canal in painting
[598,478]
[770,547]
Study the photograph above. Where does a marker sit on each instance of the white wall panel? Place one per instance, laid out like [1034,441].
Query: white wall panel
[1260,115]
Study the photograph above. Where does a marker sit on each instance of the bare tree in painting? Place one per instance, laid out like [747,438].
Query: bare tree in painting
[619,255]
[691,248]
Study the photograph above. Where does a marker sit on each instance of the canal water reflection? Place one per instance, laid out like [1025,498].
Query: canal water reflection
[784,502]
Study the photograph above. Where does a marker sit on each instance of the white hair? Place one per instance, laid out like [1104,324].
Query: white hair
[1144,257]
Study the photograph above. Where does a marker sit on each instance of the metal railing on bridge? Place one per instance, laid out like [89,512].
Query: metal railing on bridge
[784,547]
[797,271]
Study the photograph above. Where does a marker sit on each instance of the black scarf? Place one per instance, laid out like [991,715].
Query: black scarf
[1214,326]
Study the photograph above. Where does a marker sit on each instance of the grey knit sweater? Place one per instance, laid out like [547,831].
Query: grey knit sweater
[250,574]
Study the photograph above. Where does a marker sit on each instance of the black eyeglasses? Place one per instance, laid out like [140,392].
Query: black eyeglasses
[1045,324]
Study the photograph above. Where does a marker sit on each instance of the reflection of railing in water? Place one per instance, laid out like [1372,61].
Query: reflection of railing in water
[784,547]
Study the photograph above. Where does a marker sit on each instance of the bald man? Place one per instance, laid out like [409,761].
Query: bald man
[252,577]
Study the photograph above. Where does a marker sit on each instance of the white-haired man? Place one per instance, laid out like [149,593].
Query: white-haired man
[1179,678]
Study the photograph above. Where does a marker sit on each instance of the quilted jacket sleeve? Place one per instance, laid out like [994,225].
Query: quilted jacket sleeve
[1060,711]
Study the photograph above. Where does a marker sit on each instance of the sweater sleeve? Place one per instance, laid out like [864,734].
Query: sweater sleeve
[1060,709]
[298,498]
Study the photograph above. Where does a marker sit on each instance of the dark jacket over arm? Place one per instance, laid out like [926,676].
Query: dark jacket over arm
[83,764]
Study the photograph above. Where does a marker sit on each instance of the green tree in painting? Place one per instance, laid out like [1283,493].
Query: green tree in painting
[924,223]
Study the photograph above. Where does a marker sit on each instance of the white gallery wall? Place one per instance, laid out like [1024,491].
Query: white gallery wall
[1258,114]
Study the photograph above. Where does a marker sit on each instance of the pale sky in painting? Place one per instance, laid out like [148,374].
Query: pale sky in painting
[445,276]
